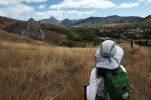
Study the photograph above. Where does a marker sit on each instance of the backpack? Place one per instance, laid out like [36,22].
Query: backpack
[117,87]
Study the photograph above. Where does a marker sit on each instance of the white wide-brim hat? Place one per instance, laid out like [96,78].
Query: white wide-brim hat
[109,55]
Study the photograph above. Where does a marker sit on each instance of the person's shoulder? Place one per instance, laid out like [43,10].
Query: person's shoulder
[93,74]
[93,70]
[123,68]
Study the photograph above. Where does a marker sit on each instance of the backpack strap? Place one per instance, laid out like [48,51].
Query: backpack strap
[109,73]
[106,95]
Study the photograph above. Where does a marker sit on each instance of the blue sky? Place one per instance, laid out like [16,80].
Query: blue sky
[73,9]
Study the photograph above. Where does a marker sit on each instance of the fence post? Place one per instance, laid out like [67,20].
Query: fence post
[132,43]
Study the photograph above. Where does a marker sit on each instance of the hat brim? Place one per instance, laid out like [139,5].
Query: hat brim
[113,62]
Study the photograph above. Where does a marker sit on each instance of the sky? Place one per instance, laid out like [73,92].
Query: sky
[73,9]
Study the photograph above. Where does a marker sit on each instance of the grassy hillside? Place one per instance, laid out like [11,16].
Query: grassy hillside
[6,22]
[16,28]
[56,33]
[31,72]
[137,63]
[9,37]
[144,23]
[53,33]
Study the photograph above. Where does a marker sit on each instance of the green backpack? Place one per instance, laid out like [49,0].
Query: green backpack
[117,87]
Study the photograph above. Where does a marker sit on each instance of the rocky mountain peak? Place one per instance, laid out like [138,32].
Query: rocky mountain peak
[31,20]
[52,18]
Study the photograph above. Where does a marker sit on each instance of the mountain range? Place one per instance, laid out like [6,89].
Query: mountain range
[93,20]
[64,22]
[59,33]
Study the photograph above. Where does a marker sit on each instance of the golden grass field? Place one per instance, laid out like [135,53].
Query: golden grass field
[37,72]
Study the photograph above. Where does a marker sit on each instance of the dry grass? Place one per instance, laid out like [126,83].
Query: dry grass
[137,63]
[56,33]
[32,72]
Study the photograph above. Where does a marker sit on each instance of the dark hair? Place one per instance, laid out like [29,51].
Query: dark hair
[101,72]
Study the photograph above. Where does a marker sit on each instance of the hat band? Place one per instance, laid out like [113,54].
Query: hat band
[106,54]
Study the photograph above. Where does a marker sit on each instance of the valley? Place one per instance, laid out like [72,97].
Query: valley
[57,66]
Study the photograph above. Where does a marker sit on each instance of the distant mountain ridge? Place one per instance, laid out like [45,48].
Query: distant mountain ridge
[108,20]
[93,20]
[144,22]
[148,17]
[51,20]
[68,22]
[65,22]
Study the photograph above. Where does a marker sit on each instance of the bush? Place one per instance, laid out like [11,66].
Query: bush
[143,42]
[70,43]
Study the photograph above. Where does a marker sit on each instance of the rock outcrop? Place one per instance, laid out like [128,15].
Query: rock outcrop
[33,30]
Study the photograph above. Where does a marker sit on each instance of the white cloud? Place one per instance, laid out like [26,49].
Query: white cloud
[149,0]
[84,4]
[42,6]
[2,13]
[9,2]
[34,1]
[128,5]
[47,14]
[19,11]
[14,2]
[80,13]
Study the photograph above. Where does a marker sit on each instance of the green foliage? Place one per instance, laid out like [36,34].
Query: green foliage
[91,34]
[86,34]
[70,43]
[137,31]
[143,42]
[147,35]
[132,36]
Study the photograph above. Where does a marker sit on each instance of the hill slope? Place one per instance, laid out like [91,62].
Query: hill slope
[6,21]
[53,33]
[56,33]
[147,18]
[5,36]
[16,27]
[145,22]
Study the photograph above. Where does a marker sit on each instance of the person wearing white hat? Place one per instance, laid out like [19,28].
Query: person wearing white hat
[108,57]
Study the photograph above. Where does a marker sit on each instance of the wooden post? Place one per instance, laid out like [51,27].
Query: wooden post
[132,43]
